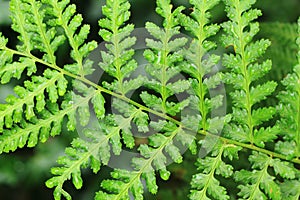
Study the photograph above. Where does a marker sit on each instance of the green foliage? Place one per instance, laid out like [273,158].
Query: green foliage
[283,48]
[153,124]
[17,111]
[243,65]
[117,61]
[199,67]
[205,184]
[289,110]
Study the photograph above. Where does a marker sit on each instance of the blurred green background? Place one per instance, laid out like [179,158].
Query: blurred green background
[23,173]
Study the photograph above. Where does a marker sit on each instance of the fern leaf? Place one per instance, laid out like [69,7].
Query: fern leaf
[18,24]
[200,65]
[204,184]
[9,69]
[52,82]
[45,102]
[113,127]
[242,64]
[163,57]
[49,123]
[91,153]
[152,158]
[259,183]
[117,60]
[64,16]
[30,102]
[37,35]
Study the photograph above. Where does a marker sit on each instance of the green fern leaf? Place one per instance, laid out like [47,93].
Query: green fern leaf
[32,28]
[85,154]
[259,183]
[39,129]
[205,185]
[64,16]
[242,64]
[200,67]
[118,61]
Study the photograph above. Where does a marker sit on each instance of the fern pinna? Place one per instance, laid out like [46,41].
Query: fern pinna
[55,96]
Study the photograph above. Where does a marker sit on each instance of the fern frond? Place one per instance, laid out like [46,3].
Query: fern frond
[64,16]
[244,68]
[153,157]
[30,102]
[34,33]
[205,185]
[15,69]
[19,25]
[200,64]
[118,61]
[91,153]
[259,183]
[289,108]
[10,69]
[30,21]
[49,120]
[164,57]
[48,124]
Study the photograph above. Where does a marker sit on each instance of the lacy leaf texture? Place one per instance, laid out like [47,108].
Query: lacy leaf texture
[141,112]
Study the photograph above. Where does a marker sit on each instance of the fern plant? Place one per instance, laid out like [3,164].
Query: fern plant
[54,97]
